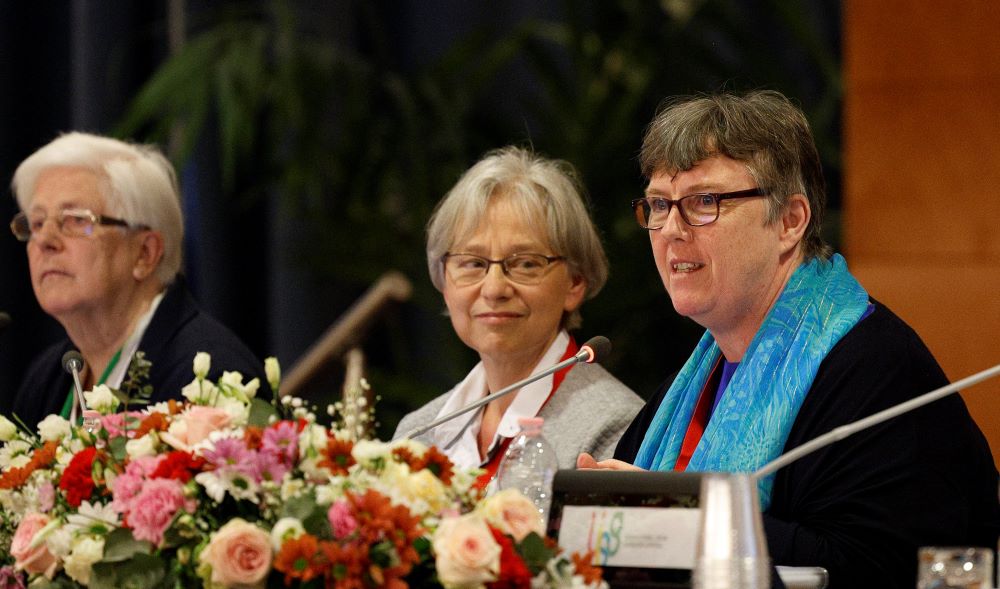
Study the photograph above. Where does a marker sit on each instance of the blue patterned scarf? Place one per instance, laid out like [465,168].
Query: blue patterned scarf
[820,303]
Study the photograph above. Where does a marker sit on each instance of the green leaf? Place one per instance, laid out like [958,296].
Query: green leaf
[120,546]
[140,572]
[261,412]
[117,447]
[534,552]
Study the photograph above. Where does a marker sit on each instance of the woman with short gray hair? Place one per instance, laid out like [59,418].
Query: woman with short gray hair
[514,252]
[107,268]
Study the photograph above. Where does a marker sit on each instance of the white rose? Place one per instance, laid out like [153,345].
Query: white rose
[273,372]
[199,392]
[59,542]
[144,446]
[512,513]
[101,399]
[286,528]
[86,551]
[7,429]
[202,364]
[53,428]
[466,553]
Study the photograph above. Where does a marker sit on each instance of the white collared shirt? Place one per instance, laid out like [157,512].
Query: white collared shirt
[130,346]
[458,438]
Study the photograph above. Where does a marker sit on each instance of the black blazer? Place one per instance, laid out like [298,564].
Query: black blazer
[862,506]
[178,330]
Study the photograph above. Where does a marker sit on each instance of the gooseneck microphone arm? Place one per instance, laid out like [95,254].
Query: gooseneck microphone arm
[839,433]
[72,363]
[595,348]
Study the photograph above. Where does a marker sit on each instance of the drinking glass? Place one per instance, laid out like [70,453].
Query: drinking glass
[954,568]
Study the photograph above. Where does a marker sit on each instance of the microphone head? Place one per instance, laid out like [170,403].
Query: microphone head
[72,360]
[597,348]
[4,320]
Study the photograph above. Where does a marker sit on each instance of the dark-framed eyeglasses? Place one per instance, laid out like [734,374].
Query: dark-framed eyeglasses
[466,269]
[71,223]
[696,209]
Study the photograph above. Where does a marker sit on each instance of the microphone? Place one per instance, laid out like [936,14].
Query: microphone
[4,321]
[839,433]
[72,363]
[595,349]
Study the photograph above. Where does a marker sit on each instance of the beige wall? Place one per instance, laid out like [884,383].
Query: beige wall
[922,176]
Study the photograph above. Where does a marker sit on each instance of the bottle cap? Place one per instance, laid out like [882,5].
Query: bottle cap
[526,422]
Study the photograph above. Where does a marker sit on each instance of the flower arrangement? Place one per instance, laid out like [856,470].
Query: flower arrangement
[227,490]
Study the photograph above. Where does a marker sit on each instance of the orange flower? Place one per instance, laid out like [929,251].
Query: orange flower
[379,520]
[299,558]
[253,436]
[337,456]
[438,463]
[591,574]
[40,458]
[345,564]
[153,422]
[406,457]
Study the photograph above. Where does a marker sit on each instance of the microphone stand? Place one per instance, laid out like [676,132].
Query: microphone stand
[581,356]
[839,433]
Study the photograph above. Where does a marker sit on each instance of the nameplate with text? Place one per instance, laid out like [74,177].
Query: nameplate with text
[644,537]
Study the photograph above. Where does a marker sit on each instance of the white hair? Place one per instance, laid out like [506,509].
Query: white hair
[137,182]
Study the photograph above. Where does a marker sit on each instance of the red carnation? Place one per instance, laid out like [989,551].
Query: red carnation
[514,574]
[178,466]
[76,480]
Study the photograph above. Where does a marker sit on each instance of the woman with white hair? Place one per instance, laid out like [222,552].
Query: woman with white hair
[107,267]
[514,252]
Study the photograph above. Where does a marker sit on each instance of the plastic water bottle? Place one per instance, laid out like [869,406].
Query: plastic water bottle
[530,465]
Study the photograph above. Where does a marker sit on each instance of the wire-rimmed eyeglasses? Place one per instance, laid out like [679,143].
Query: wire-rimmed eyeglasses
[465,269]
[696,209]
[70,222]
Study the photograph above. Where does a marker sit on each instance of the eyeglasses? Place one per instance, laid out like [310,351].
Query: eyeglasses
[696,209]
[467,269]
[71,223]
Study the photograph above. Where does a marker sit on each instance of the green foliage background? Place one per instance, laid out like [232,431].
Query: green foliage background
[359,148]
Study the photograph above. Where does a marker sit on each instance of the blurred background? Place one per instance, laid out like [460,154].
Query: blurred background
[313,139]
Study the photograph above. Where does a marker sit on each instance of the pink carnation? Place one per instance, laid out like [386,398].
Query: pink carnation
[342,521]
[154,508]
[127,485]
[115,422]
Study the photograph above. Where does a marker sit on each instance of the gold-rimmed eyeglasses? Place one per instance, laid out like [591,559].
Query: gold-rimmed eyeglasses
[466,269]
[696,209]
[70,222]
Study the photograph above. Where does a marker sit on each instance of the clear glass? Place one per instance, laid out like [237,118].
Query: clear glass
[731,552]
[954,568]
[464,269]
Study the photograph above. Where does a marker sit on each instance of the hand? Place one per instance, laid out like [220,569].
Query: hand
[587,462]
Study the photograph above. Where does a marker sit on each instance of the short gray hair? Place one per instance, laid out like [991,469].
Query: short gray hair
[137,182]
[762,129]
[545,191]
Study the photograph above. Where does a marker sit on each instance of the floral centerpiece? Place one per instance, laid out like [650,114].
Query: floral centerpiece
[228,490]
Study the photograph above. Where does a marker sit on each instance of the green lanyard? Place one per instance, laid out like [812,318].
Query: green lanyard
[68,405]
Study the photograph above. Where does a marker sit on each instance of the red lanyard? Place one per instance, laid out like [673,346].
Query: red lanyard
[702,413]
[494,464]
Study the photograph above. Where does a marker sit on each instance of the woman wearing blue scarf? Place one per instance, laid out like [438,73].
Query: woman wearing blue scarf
[794,347]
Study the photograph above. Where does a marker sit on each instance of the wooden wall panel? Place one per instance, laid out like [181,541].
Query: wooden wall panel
[922,176]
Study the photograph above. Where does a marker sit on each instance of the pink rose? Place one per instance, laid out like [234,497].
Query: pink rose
[342,521]
[37,560]
[194,425]
[466,553]
[512,513]
[154,508]
[239,554]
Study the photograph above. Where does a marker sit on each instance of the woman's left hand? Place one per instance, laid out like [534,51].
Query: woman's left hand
[587,462]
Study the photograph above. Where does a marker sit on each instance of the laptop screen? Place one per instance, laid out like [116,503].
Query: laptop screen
[641,526]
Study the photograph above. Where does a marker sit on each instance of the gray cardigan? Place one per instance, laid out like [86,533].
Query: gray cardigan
[588,413]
